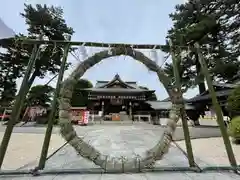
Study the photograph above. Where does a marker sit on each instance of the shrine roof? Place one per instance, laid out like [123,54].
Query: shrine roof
[166,105]
[207,96]
[221,89]
[119,86]
[120,90]
[224,85]
[168,99]
[117,79]
[104,83]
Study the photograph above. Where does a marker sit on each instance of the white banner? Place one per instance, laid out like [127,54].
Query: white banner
[154,55]
[83,52]
[5,31]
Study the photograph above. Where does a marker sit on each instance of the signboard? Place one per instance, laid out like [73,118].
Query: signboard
[116,97]
[116,101]
[77,113]
[115,117]
[210,114]
[85,118]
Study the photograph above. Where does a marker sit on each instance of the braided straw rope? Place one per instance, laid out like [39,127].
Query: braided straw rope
[85,149]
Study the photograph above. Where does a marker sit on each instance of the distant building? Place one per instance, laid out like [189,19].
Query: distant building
[203,102]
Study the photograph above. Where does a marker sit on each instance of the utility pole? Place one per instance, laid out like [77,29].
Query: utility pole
[217,107]
[182,110]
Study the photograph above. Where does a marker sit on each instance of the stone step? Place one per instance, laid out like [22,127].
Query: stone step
[117,122]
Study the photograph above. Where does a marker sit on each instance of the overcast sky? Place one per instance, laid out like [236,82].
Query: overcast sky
[119,21]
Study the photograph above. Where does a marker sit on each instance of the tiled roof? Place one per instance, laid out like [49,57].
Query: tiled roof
[165,105]
[168,99]
[130,84]
[224,85]
[123,90]
[222,89]
[201,97]
[102,83]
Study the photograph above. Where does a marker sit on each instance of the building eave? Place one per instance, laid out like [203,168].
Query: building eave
[166,105]
[118,90]
[224,85]
[205,97]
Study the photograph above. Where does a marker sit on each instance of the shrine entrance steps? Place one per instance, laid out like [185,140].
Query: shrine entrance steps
[125,122]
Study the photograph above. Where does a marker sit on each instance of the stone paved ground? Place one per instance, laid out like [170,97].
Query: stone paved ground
[212,150]
[126,140]
[26,148]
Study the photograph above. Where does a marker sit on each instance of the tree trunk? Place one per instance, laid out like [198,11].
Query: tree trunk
[29,84]
[201,84]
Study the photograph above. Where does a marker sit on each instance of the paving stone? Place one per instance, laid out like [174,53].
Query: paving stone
[167,176]
[213,176]
[117,141]
[145,176]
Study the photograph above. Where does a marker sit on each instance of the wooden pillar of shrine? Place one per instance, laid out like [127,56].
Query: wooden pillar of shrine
[130,110]
[102,108]
[102,115]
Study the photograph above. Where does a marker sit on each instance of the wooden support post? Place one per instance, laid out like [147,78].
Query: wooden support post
[102,115]
[217,107]
[17,105]
[93,114]
[130,111]
[51,117]
[182,111]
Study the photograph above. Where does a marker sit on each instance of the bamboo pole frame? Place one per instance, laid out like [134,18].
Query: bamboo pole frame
[68,44]
[113,171]
[92,44]
[51,117]
[217,107]
[18,104]
[182,111]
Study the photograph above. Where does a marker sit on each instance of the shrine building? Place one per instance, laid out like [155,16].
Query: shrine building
[124,100]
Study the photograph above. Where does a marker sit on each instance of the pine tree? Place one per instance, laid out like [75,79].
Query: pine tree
[40,20]
[214,25]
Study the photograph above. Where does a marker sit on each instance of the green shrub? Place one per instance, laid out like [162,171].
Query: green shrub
[234,129]
[233,102]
